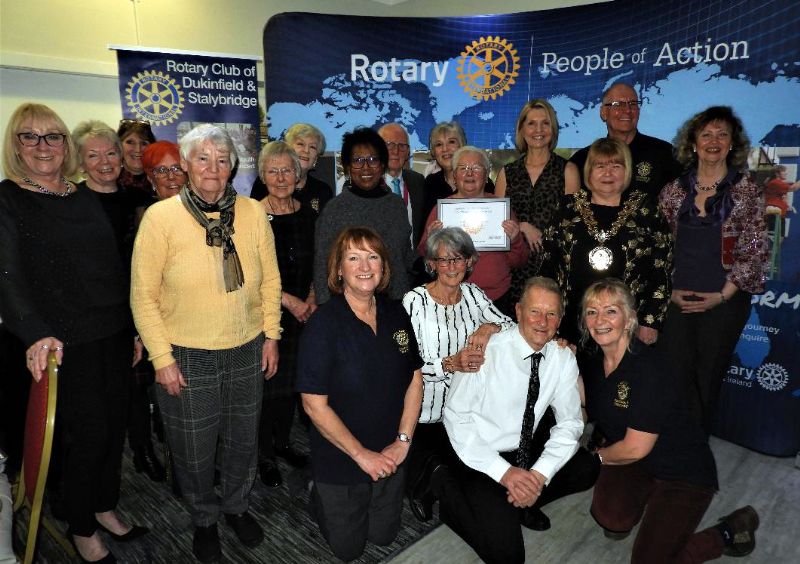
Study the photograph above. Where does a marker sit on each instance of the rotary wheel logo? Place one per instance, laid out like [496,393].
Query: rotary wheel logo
[773,377]
[487,68]
[153,96]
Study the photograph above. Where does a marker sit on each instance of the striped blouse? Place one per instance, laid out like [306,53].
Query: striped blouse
[443,331]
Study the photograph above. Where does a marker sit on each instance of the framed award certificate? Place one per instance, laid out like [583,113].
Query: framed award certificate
[482,218]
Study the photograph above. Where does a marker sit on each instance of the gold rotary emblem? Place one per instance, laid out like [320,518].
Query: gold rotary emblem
[488,67]
[643,171]
[623,389]
[401,338]
[154,97]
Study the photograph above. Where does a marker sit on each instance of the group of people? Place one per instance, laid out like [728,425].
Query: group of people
[425,369]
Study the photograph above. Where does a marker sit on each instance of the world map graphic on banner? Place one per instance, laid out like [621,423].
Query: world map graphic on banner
[497,63]
[340,72]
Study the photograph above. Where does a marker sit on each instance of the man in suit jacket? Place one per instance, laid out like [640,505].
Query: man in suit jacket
[406,183]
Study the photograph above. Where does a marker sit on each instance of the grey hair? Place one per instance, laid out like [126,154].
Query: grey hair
[455,240]
[305,130]
[275,149]
[618,290]
[543,283]
[94,128]
[444,128]
[487,164]
[208,132]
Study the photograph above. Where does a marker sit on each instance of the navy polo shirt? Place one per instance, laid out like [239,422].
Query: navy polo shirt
[643,394]
[364,375]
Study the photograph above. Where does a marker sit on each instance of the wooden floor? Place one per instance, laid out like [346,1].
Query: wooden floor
[771,485]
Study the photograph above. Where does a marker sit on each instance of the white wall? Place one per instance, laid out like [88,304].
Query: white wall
[55,51]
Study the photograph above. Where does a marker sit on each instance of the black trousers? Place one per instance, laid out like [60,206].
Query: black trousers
[430,439]
[277,415]
[477,509]
[700,346]
[91,413]
[15,385]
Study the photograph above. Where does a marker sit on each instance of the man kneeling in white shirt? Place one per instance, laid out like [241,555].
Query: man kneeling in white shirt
[491,416]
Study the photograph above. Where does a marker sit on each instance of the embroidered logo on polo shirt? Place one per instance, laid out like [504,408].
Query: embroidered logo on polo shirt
[401,338]
[623,389]
[643,171]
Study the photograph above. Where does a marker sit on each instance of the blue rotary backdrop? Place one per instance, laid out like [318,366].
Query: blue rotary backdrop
[339,72]
[175,91]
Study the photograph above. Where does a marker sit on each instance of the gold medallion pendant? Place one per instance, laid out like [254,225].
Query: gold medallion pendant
[600,258]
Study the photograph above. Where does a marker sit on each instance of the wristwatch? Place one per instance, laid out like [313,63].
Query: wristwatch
[403,438]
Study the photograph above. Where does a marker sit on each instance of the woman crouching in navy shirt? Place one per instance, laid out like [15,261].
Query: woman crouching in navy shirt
[655,461]
[361,384]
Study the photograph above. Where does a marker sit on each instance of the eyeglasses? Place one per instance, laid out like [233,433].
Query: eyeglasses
[162,171]
[31,139]
[371,160]
[619,104]
[391,145]
[477,169]
[445,261]
[281,171]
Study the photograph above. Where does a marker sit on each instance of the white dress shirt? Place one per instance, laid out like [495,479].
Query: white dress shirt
[483,413]
[443,330]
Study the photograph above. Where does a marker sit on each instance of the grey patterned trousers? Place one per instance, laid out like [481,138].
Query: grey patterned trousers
[214,421]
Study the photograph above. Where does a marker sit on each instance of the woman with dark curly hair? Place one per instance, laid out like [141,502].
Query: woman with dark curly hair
[716,213]
[365,201]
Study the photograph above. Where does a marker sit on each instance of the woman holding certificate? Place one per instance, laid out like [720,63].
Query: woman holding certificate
[610,231]
[492,272]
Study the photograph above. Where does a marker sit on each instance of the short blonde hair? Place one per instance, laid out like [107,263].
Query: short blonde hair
[275,149]
[612,149]
[536,104]
[12,163]
[617,290]
[93,128]
[305,130]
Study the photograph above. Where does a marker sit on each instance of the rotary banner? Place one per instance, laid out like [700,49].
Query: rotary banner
[175,91]
[680,56]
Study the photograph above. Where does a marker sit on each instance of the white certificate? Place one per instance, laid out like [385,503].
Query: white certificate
[482,218]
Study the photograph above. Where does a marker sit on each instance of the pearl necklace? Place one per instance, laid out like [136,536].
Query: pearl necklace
[44,190]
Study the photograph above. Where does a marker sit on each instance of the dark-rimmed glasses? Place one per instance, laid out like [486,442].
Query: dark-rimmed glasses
[359,162]
[31,139]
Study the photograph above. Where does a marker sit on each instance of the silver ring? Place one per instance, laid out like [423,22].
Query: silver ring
[59,348]
[45,347]
[381,474]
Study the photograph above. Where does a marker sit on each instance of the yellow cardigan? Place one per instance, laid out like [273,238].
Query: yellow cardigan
[178,293]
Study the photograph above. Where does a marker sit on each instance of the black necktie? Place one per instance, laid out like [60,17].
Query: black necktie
[529,418]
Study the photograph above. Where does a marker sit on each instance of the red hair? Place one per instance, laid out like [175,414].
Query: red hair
[154,153]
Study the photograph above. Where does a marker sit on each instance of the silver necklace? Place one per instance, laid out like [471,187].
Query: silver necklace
[44,190]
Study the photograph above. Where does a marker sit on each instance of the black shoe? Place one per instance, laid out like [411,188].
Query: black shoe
[135,532]
[742,524]
[205,544]
[246,529]
[107,559]
[421,497]
[270,475]
[290,455]
[616,536]
[533,518]
[144,460]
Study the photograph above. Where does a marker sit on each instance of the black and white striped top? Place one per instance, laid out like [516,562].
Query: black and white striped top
[443,331]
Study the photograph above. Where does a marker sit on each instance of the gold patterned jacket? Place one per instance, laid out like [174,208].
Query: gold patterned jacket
[647,244]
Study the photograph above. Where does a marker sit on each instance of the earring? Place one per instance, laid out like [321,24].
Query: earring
[339,278]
